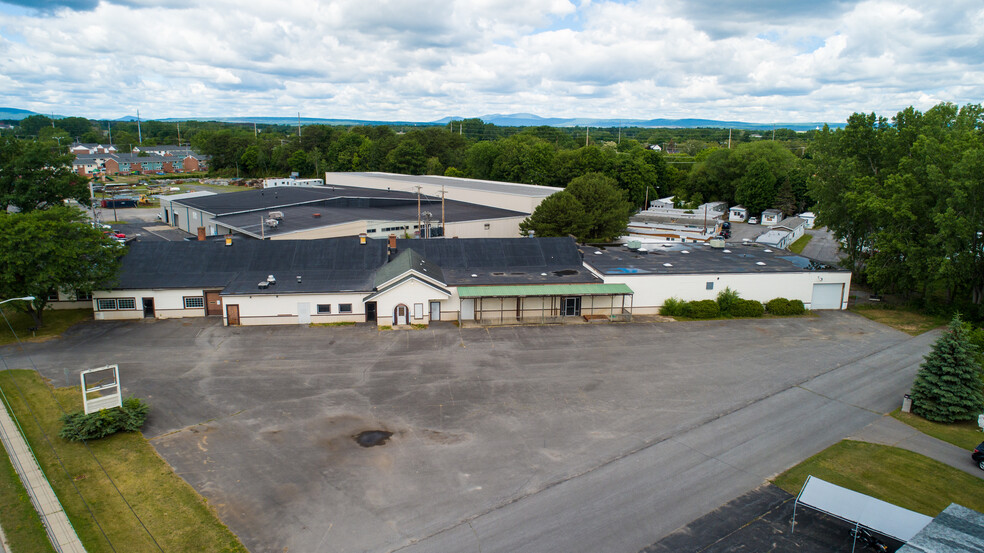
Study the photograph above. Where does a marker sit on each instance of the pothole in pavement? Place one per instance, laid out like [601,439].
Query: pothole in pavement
[371,438]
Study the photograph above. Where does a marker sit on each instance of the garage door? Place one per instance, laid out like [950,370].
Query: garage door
[827,296]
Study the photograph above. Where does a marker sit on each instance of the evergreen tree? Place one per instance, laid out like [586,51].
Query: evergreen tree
[948,387]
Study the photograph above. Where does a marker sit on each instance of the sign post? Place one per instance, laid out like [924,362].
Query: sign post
[101,388]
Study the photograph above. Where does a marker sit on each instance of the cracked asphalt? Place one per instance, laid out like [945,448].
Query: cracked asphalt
[541,438]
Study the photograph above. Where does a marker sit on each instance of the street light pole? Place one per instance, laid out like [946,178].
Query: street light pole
[25,298]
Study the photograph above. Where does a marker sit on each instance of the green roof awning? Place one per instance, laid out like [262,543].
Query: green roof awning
[527,290]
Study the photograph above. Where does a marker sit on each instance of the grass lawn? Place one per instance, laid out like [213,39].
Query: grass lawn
[179,518]
[906,319]
[965,434]
[901,477]
[800,243]
[55,322]
[21,523]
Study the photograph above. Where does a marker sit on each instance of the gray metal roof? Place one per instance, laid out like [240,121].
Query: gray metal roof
[280,197]
[405,261]
[406,181]
[699,259]
[956,530]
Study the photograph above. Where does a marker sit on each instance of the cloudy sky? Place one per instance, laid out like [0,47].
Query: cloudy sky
[761,61]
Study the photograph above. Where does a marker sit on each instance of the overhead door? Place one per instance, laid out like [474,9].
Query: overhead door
[827,296]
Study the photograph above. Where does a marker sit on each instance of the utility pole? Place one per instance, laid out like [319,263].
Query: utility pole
[443,235]
[729,139]
[139,134]
[587,133]
[254,129]
[619,132]
[110,127]
[419,231]
[298,124]
[178,123]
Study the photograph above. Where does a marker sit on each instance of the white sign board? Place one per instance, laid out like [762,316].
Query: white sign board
[101,388]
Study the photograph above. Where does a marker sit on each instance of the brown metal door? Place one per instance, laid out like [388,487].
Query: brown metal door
[212,305]
[232,314]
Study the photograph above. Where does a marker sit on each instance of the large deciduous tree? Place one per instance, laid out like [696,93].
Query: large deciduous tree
[35,175]
[948,387]
[44,251]
[592,207]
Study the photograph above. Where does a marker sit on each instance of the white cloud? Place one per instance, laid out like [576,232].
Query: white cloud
[422,60]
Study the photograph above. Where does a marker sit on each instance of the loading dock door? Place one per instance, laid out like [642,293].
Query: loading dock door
[467,309]
[827,296]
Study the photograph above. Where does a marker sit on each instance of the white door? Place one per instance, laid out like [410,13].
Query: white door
[827,296]
[435,311]
[303,313]
[468,309]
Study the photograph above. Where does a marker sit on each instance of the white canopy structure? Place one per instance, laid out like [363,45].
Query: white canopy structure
[859,509]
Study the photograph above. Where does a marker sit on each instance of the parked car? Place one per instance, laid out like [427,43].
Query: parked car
[978,455]
[726,225]
[725,234]
[753,220]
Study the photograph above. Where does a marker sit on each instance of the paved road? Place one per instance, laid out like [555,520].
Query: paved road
[550,438]
[637,499]
[823,246]
[889,431]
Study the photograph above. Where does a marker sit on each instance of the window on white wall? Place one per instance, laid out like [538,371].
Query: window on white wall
[488,226]
[194,302]
[324,309]
[106,304]
[710,285]
[345,308]
[126,303]
[418,311]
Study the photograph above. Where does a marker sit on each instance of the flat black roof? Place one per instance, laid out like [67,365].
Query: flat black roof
[699,259]
[279,197]
[391,206]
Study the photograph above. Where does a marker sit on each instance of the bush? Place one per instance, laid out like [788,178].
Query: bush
[703,309]
[783,307]
[727,299]
[673,307]
[129,418]
[747,308]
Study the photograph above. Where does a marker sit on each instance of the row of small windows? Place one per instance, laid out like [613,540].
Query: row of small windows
[115,304]
[325,308]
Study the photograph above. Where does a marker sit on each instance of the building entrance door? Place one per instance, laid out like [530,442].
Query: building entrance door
[571,306]
[148,307]
[232,314]
[401,315]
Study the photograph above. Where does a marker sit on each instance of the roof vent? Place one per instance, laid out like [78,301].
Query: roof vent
[597,252]
[726,251]
[474,275]
[316,215]
[767,250]
[271,279]
[272,223]
[642,250]
[263,285]
[543,274]
[760,263]
[298,279]
[684,251]
[667,264]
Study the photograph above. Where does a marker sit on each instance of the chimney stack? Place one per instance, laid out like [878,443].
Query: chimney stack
[392,242]
[362,238]
[228,240]
[201,233]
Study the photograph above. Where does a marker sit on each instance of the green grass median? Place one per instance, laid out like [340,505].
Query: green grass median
[18,518]
[898,476]
[175,515]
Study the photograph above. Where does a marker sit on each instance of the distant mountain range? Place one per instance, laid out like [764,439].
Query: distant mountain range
[504,120]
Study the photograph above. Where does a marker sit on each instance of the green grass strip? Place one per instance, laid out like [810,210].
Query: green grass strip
[800,243]
[965,434]
[898,476]
[56,321]
[20,521]
[179,518]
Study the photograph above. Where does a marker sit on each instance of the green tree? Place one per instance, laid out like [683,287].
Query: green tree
[408,158]
[31,125]
[34,175]
[560,214]
[606,209]
[948,386]
[55,249]
[757,187]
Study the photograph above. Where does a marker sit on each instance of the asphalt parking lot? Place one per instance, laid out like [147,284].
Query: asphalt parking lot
[261,420]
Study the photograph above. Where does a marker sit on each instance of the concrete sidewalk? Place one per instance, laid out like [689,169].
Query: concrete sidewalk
[888,431]
[60,531]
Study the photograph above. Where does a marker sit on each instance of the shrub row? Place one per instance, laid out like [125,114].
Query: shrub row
[78,426]
[730,304]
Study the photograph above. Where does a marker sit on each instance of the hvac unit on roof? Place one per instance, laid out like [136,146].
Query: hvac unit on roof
[272,223]
[278,215]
